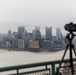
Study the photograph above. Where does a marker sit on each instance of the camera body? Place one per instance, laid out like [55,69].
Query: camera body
[70,27]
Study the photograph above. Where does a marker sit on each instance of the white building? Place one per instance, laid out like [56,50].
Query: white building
[21,43]
[24,35]
[58,34]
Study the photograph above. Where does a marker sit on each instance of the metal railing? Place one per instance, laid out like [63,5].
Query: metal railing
[45,67]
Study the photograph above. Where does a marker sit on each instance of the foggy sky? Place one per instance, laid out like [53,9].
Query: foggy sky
[29,13]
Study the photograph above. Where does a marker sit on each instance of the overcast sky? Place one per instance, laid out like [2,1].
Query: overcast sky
[29,13]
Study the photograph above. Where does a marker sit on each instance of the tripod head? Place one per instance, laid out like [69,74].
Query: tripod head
[70,27]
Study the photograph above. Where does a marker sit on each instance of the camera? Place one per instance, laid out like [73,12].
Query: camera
[70,27]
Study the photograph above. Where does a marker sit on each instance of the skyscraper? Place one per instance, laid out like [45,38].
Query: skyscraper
[21,44]
[21,29]
[37,33]
[24,34]
[37,28]
[49,33]
[58,34]
[9,33]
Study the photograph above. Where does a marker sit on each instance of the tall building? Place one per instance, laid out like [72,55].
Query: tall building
[24,34]
[27,39]
[19,35]
[10,37]
[58,34]
[37,28]
[15,34]
[49,33]
[21,29]
[36,33]
[21,44]
[9,34]
[14,43]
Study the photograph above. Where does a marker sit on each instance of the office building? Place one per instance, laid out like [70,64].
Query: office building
[37,28]
[21,44]
[33,44]
[9,33]
[21,29]
[46,44]
[14,43]
[49,33]
[24,35]
[58,34]
[15,34]
[36,33]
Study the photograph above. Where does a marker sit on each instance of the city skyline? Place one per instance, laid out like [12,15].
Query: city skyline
[42,33]
[55,13]
[22,39]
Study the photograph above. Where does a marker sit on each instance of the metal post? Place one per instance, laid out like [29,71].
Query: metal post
[46,66]
[17,71]
[53,69]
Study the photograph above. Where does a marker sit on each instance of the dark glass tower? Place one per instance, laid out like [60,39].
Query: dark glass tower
[21,29]
[38,35]
[49,33]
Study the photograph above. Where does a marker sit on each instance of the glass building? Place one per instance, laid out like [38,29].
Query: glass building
[21,29]
[49,33]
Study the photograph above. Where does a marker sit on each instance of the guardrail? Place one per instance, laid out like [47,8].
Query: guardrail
[26,66]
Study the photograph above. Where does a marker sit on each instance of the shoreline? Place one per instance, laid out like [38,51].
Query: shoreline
[33,50]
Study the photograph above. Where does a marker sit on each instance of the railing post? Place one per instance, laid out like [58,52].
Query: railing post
[17,71]
[46,66]
[53,69]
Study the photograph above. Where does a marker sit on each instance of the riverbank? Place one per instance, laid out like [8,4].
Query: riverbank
[32,49]
[44,51]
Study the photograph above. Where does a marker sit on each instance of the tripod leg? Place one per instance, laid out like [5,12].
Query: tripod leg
[74,49]
[62,60]
[71,59]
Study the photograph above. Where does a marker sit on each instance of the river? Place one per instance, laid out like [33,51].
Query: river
[12,58]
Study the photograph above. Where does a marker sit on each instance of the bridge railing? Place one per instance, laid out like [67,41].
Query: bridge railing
[48,68]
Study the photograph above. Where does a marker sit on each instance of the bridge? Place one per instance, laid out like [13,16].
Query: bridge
[41,68]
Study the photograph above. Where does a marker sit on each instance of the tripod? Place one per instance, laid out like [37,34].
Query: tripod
[71,47]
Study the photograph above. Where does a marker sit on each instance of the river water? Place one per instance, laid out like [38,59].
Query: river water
[12,58]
